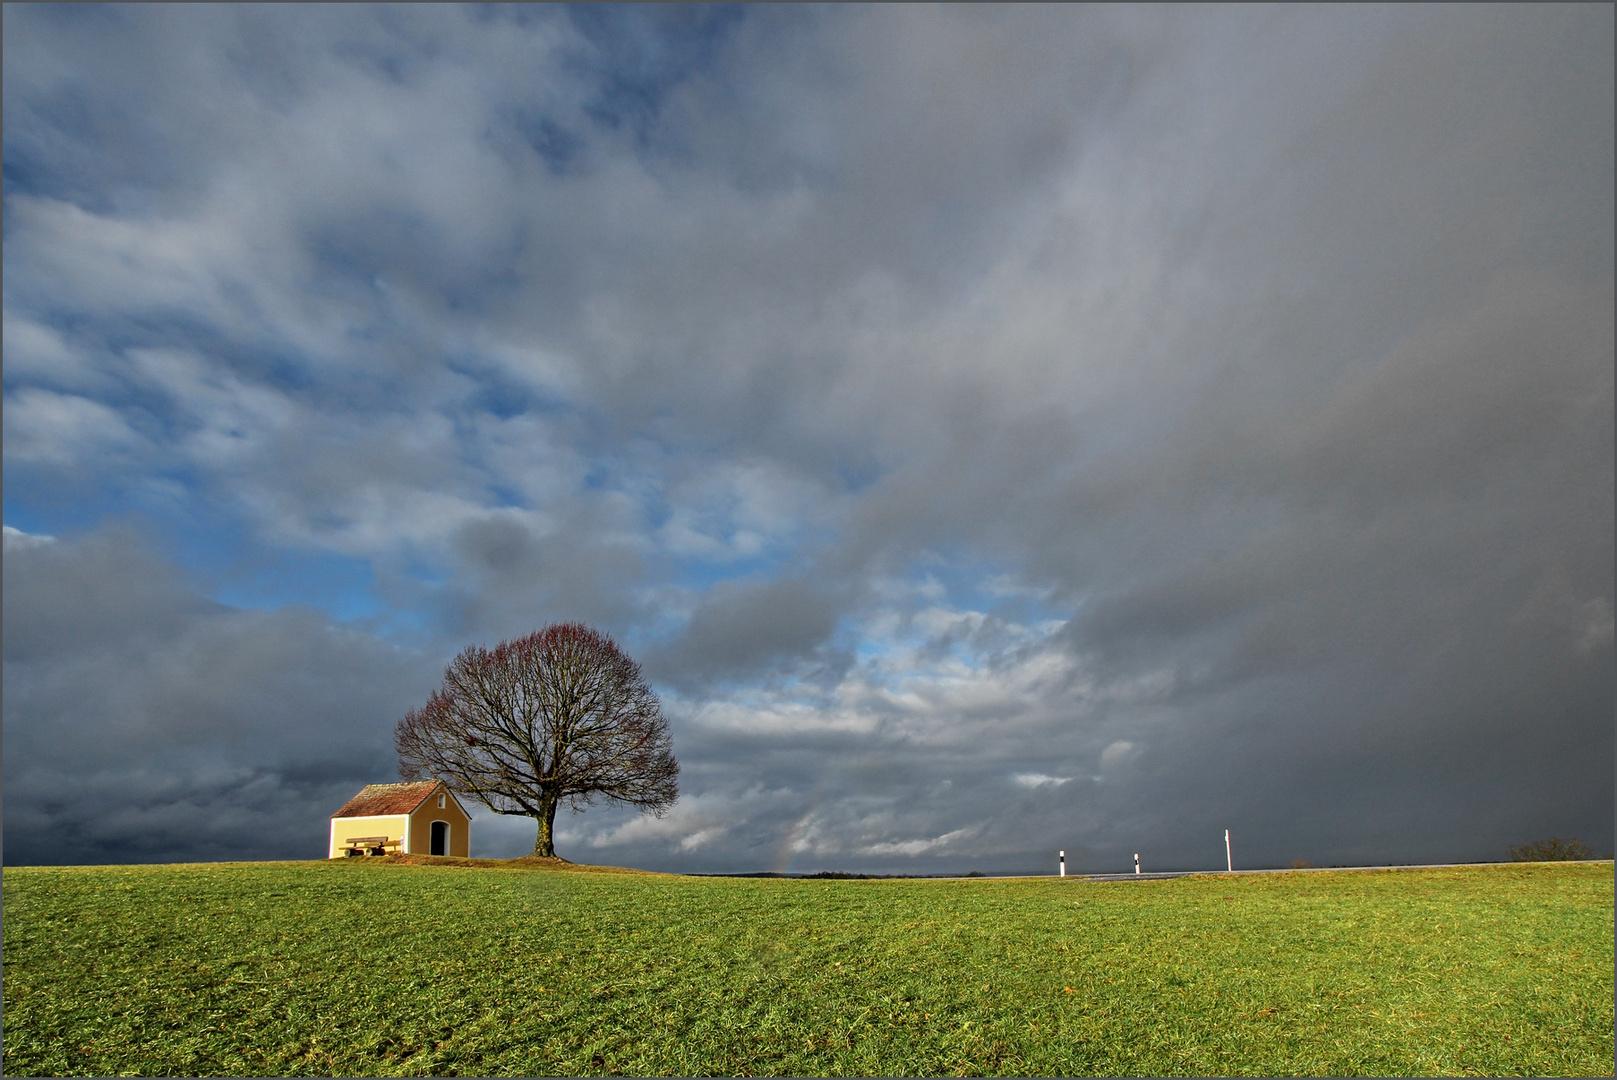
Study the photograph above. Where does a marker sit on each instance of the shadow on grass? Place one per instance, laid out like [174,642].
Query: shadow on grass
[525,862]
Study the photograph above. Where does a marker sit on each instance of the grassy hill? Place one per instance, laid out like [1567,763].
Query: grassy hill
[382,967]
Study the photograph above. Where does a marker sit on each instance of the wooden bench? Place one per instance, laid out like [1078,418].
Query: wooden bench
[370,845]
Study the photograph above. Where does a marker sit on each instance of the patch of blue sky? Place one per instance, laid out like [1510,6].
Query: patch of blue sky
[732,550]
[699,574]
[856,474]
[481,295]
[272,362]
[635,468]
[485,288]
[273,367]
[965,582]
[865,647]
[641,52]
[893,632]
[505,497]
[19,514]
[554,143]
[370,332]
[73,501]
[519,15]
[28,173]
[431,575]
[375,262]
[213,549]
[60,145]
[340,585]
[399,66]
[851,634]
[220,552]
[113,338]
[502,396]
[406,626]
[81,18]
[363,249]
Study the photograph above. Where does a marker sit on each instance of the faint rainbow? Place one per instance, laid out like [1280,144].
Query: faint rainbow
[783,856]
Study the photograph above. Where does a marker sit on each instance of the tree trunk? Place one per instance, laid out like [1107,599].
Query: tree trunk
[544,843]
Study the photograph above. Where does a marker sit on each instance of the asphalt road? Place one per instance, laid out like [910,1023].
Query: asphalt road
[1162,874]
[1158,875]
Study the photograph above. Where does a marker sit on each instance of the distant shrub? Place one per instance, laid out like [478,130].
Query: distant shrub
[1301,864]
[1552,850]
[975,873]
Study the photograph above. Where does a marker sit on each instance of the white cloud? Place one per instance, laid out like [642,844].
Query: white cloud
[46,427]
[37,352]
[1117,753]
[1596,632]
[693,822]
[1035,780]
[17,540]
[912,848]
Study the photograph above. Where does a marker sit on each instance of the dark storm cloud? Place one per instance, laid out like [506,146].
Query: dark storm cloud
[996,430]
[145,722]
[741,628]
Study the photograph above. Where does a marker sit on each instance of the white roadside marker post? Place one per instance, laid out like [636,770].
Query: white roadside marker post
[1229,864]
[1136,862]
[1063,864]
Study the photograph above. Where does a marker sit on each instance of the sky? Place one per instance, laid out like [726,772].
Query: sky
[995,430]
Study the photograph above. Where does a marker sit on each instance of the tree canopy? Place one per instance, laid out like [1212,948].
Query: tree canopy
[559,716]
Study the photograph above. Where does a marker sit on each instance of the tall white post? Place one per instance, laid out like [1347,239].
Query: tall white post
[1229,864]
[1063,864]
[1136,862]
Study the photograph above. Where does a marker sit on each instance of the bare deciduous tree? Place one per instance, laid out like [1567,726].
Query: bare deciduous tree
[561,715]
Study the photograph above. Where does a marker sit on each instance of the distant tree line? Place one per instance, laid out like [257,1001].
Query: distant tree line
[1552,850]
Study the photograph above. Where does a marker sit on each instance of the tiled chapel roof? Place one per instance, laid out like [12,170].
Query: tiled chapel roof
[378,799]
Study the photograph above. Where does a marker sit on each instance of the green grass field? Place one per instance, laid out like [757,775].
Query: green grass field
[368,967]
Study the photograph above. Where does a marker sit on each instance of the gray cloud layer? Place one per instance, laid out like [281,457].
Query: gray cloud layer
[144,721]
[996,430]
